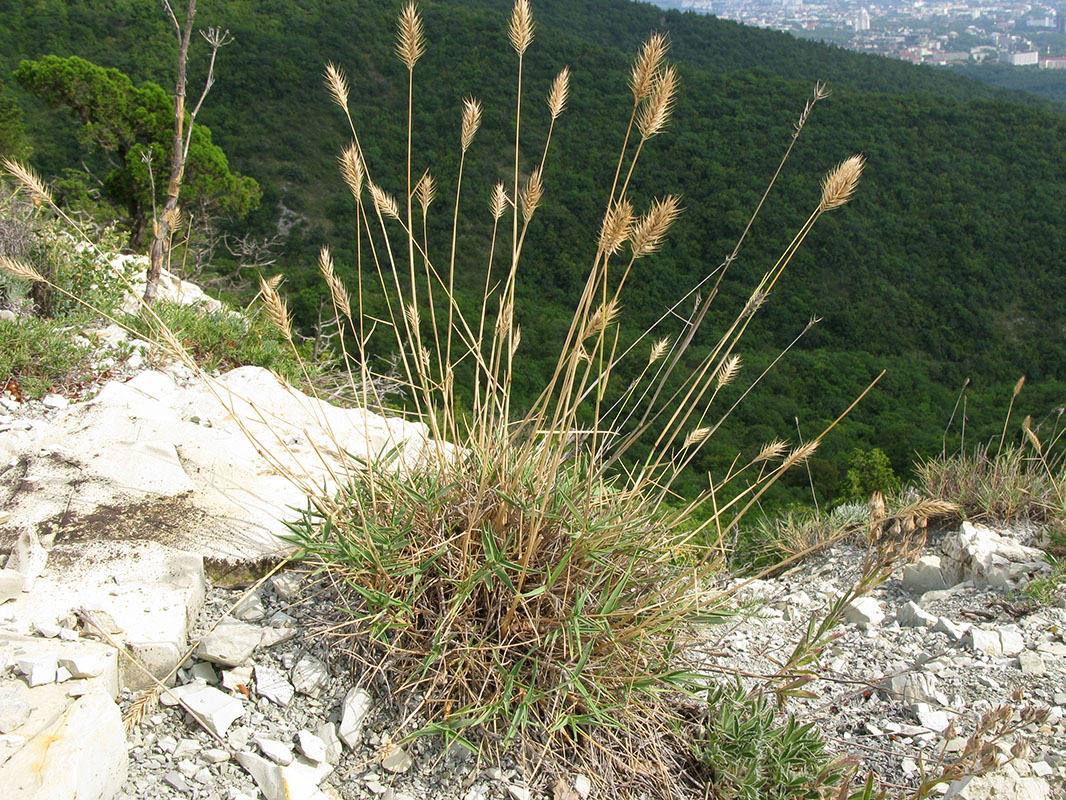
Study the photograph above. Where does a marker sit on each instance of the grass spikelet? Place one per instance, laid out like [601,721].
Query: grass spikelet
[771,450]
[277,310]
[649,232]
[617,224]
[337,84]
[601,318]
[531,195]
[352,170]
[697,436]
[172,217]
[426,190]
[841,182]
[145,703]
[520,28]
[413,318]
[655,112]
[336,286]
[800,454]
[658,350]
[383,201]
[29,180]
[647,66]
[560,90]
[410,39]
[20,269]
[499,202]
[725,374]
[471,121]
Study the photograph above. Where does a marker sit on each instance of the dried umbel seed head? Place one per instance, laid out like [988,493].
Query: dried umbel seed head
[520,29]
[558,93]
[840,184]
[410,39]
[471,121]
[647,66]
[337,84]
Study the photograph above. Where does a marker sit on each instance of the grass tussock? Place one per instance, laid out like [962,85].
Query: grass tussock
[534,579]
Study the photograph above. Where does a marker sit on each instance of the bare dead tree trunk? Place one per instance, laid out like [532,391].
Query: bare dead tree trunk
[164,222]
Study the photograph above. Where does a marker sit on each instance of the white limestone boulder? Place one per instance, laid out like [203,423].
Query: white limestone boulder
[990,558]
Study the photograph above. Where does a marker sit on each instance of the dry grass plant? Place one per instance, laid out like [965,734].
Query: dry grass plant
[525,577]
[531,579]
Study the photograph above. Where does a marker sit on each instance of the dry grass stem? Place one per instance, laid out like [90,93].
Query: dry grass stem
[840,184]
[410,39]
[520,28]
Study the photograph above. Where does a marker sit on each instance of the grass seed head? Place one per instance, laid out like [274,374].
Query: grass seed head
[499,201]
[383,202]
[655,112]
[20,269]
[617,224]
[471,121]
[560,90]
[277,310]
[649,232]
[352,170]
[658,350]
[30,180]
[520,29]
[426,190]
[647,66]
[729,369]
[337,84]
[410,39]
[531,195]
[840,184]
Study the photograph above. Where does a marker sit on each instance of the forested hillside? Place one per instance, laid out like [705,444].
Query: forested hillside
[948,265]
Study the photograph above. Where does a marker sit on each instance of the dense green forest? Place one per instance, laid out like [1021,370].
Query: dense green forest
[948,265]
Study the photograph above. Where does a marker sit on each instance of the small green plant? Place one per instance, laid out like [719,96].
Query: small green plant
[222,340]
[744,751]
[868,472]
[1048,589]
[37,357]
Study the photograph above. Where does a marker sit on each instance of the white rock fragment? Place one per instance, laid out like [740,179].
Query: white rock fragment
[250,609]
[988,558]
[931,718]
[309,675]
[983,642]
[82,754]
[519,792]
[354,710]
[14,710]
[327,732]
[11,583]
[954,630]
[216,755]
[924,576]
[312,747]
[583,786]
[55,402]
[912,615]
[29,559]
[272,684]
[278,752]
[297,781]
[914,687]
[1004,782]
[38,669]
[286,585]
[85,664]
[865,612]
[1011,641]
[230,644]
[1031,663]
[234,679]
[216,708]
[396,759]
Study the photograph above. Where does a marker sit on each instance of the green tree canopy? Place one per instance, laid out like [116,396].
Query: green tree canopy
[130,123]
[12,140]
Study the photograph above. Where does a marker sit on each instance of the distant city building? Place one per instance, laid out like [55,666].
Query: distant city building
[1057,62]
[1023,59]
[1040,22]
[862,20]
[958,57]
